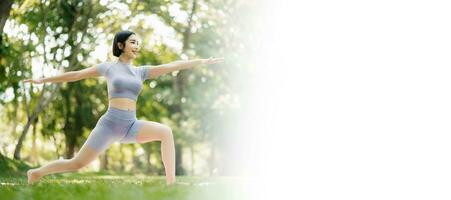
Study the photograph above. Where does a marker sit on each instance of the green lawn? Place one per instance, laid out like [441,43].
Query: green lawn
[129,187]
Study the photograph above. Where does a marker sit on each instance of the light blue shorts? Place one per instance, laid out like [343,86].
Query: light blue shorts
[114,125]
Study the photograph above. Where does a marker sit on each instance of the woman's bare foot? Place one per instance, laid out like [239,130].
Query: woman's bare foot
[33,176]
[170,181]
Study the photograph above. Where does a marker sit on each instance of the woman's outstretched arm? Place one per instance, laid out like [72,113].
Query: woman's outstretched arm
[181,64]
[67,76]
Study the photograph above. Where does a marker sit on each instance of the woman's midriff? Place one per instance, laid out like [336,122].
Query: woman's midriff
[123,104]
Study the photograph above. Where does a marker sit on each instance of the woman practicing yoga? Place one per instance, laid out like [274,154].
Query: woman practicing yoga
[119,123]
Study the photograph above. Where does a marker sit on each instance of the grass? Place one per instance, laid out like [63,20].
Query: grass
[113,186]
[11,167]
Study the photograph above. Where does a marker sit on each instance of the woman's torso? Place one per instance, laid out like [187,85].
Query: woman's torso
[124,84]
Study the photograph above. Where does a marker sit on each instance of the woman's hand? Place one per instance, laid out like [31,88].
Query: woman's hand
[212,60]
[35,81]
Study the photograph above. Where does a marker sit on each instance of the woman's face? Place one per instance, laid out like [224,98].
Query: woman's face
[131,47]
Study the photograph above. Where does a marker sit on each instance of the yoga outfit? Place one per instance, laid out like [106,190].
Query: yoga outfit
[124,81]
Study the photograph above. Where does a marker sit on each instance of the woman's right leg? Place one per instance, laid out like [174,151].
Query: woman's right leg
[81,159]
[99,139]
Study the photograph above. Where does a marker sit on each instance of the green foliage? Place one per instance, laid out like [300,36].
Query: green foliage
[10,167]
[66,33]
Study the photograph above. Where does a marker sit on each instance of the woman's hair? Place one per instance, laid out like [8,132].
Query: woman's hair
[121,37]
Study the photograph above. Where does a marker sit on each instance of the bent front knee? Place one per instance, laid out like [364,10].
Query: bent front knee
[167,133]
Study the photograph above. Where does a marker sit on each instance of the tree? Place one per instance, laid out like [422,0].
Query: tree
[65,19]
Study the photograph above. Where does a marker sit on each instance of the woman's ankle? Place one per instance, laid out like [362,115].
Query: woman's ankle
[37,172]
[170,180]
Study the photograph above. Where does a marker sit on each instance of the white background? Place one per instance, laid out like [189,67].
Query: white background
[352,101]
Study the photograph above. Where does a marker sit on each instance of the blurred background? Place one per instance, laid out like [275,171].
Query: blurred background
[40,123]
[316,99]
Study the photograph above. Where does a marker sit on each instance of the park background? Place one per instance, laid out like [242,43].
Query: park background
[315,100]
[41,123]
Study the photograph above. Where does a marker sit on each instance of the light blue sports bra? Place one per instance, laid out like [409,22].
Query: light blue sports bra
[123,80]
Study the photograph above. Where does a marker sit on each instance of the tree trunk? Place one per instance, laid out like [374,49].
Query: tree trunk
[13,127]
[104,161]
[34,153]
[192,160]
[22,138]
[31,118]
[5,7]
[71,131]
[178,157]
[56,146]
[149,165]
[179,85]
[70,149]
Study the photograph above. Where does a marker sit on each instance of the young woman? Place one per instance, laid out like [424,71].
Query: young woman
[119,123]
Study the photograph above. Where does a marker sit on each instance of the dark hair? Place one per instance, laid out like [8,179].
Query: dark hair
[121,37]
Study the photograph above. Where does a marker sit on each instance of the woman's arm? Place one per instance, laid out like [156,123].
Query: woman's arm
[179,65]
[67,76]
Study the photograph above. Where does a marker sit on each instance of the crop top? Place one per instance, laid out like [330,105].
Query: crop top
[123,79]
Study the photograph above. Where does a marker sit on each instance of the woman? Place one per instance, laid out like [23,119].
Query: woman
[119,123]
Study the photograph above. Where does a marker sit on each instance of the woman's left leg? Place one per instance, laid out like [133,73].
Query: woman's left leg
[153,131]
